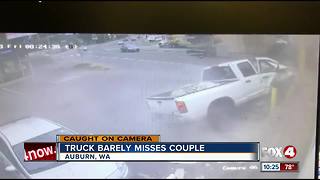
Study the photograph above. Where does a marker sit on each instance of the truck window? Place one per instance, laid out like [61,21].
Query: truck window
[266,67]
[218,73]
[246,69]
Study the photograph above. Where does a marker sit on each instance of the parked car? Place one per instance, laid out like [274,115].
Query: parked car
[122,42]
[33,129]
[151,38]
[223,88]
[129,48]
[164,44]
[83,48]
[170,44]
[94,37]
[158,38]
[7,170]
[133,38]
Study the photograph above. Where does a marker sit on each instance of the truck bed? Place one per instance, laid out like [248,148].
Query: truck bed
[187,89]
[164,103]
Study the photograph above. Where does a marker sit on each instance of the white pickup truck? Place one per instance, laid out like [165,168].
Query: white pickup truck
[223,87]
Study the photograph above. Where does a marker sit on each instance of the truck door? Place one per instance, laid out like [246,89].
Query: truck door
[267,71]
[250,81]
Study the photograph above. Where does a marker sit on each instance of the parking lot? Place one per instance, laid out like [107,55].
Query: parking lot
[110,98]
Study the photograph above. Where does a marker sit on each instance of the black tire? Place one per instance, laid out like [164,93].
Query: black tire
[220,113]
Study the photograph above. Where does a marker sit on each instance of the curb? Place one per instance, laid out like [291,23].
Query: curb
[14,81]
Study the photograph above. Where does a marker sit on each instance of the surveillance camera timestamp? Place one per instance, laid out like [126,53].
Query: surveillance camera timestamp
[37,46]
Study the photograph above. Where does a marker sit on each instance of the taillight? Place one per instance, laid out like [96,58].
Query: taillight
[181,106]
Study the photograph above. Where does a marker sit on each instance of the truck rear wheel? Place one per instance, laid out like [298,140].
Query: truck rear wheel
[220,113]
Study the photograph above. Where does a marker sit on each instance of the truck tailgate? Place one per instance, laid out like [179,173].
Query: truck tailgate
[161,105]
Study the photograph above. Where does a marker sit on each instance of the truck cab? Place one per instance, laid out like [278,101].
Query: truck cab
[255,75]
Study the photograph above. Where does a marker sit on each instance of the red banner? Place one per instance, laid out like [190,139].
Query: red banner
[40,151]
[289,166]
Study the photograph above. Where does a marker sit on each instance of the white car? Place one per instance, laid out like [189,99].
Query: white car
[122,42]
[32,129]
[222,88]
[159,38]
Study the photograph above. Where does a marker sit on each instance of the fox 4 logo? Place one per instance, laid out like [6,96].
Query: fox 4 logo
[278,152]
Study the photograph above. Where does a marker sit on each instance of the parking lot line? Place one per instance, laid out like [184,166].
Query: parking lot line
[12,91]
[66,79]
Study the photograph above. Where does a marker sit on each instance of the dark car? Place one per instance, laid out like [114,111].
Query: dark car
[169,44]
[129,48]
